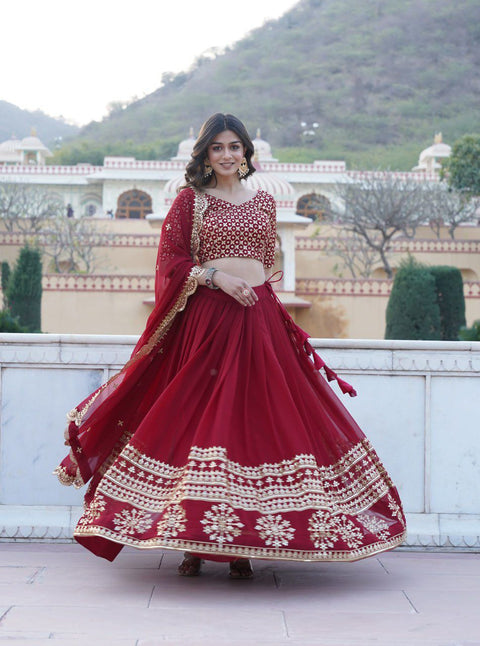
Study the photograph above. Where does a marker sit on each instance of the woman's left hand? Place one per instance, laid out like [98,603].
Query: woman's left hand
[235,287]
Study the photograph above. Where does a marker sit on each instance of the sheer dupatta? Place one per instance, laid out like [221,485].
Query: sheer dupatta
[95,434]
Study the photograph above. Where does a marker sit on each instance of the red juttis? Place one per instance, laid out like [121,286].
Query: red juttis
[224,440]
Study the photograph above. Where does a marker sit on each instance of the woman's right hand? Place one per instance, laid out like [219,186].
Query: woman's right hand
[235,287]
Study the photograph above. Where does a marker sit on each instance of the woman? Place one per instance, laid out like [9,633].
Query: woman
[220,436]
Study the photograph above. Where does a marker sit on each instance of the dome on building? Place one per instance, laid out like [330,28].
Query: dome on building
[29,150]
[185,148]
[277,186]
[428,160]
[172,186]
[282,190]
[33,143]
[263,150]
[10,146]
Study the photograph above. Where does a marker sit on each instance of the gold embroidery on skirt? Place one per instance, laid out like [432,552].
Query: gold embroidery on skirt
[350,486]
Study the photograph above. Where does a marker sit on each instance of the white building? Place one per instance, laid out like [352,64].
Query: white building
[26,151]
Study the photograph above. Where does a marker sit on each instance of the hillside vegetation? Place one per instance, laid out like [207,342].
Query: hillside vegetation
[18,122]
[379,77]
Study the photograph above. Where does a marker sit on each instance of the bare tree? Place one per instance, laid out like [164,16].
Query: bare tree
[451,209]
[354,253]
[70,242]
[378,207]
[27,208]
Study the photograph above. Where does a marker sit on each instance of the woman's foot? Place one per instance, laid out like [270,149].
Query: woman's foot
[190,566]
[241,569]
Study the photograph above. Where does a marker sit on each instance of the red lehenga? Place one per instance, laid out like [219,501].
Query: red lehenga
[220,436]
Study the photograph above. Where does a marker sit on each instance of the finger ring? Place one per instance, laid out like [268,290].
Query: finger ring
[246,292]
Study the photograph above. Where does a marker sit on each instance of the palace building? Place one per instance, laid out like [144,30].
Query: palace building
[127,199]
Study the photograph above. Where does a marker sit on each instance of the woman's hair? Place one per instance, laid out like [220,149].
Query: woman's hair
[213,126]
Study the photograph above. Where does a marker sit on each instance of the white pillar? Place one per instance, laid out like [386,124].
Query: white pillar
[287,238]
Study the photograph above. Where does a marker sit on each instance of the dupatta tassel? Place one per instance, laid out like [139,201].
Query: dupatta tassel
[303,345]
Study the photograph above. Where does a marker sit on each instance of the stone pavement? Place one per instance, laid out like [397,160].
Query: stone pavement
[62,595]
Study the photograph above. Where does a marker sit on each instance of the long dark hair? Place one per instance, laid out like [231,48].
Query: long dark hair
[213,126]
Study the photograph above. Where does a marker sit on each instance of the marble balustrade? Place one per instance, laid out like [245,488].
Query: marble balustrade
[419,403]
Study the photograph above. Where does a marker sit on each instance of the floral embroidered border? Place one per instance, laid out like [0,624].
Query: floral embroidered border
[235,550]
[351,485]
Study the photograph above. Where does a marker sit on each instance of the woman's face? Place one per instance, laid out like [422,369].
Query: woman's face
[225,153]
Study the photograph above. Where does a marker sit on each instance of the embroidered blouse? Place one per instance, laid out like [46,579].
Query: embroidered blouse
[246,230]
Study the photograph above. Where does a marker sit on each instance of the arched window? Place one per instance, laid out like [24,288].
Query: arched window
[313,206]
[134,204]
[91,205]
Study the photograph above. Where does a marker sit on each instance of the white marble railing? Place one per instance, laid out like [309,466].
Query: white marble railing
[418,402]
[399,245]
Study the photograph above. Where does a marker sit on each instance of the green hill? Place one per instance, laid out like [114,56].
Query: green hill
[18,122]
[379,77]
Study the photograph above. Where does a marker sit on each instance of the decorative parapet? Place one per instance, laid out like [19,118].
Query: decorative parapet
[471,289]
[343,286]
[334,167]
[362,287]
[302,243]
[358,175]
[417,245]
[424,245]
[17,169]
[98,283]
[143,240]
[130,163]
[425,357]
[323,167]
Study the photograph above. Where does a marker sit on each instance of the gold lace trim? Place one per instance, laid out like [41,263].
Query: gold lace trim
[234,550]
[351,485]
[189,288]
[68,480]
[199,208]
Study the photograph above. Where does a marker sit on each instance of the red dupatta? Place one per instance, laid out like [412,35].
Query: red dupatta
[94,434]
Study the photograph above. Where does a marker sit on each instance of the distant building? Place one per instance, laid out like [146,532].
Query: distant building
[128,200]
[26,151]
[430,160]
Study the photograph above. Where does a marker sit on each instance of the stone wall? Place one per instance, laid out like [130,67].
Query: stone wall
[418,403]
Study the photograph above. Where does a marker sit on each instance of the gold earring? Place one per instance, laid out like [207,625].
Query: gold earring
[208,169]
[243,170]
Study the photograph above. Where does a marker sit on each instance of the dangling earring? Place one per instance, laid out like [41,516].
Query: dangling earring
[243,170]
[208,169]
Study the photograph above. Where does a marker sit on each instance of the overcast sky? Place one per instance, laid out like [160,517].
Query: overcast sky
[73,57]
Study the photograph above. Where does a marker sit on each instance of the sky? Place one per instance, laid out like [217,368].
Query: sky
[73,57]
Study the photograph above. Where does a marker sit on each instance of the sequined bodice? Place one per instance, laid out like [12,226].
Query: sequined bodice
[245,230]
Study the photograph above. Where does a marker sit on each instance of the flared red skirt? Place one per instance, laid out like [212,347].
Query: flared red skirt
[238,447]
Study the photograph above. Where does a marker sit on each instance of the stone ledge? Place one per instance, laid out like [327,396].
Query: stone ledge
[56,524]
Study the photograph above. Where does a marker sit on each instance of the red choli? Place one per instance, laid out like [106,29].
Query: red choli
[246,230]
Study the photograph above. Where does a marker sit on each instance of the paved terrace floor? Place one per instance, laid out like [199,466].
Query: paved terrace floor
[62,595]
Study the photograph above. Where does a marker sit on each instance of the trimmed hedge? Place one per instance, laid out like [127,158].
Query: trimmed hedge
[426,303]
[413,311]
[6,273]
[451,301]
[24,289]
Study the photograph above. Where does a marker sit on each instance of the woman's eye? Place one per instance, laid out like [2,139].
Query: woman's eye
[235,147]
[216,149]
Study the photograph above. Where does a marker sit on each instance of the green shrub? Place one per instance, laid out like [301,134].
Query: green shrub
[413,311]
[6,272]
[470,333]
[9,324]
[24,289]
[450,299]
